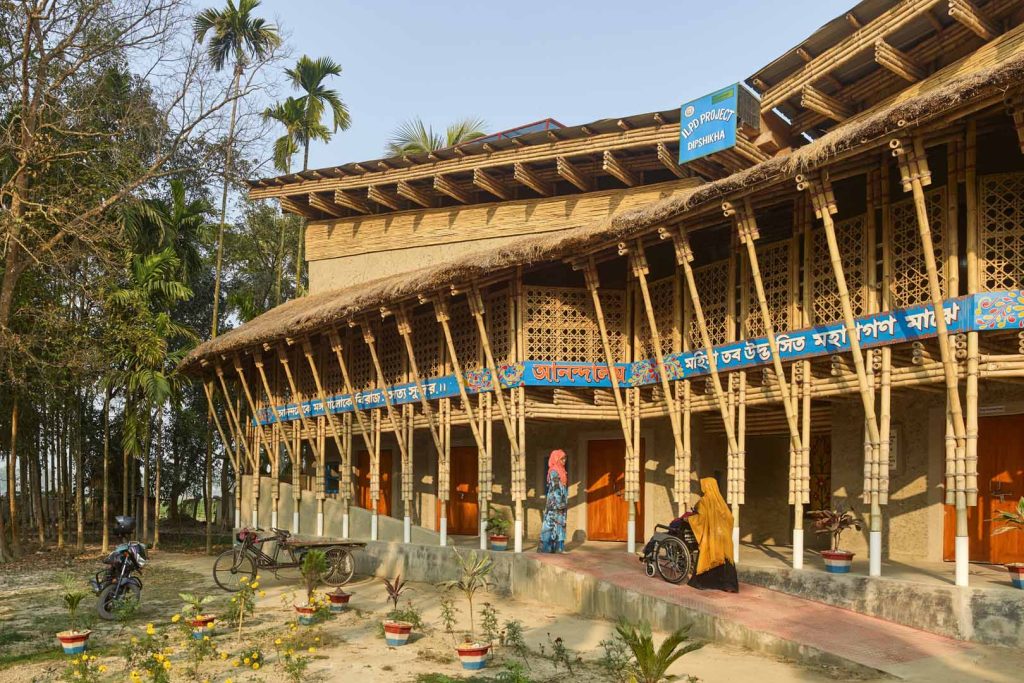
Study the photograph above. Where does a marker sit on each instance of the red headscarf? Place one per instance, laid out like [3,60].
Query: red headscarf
[556,462]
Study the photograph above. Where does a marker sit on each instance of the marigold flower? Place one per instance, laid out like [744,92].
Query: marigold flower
[150,630]
[312,649]
[255,655]
[176,618]
[263,594]
[255,666]
[255,585]
[247,661]
[223,655]
[235,663]
[167,664]
[277,641]
[102,669]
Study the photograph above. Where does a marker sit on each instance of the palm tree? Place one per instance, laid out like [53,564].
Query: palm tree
[152,225]
[415,137]
[236,35]
[304,120]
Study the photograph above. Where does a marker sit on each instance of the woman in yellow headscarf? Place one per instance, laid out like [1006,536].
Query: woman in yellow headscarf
[712,525]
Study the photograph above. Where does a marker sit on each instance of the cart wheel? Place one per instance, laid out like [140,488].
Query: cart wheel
[673,560]
[340,566]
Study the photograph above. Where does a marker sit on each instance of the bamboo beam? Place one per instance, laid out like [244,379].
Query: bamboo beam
[570,172]
[282,357]
[325,205]
[417,195]
[668,160]
[442,314]
[968,14]
[208,390]
[296,206]
[826,105]
[232,414]
[527,176]
[973,286]
[271,401]
[612,165]
[898,62]
[746,228]
[405,331]
[336,430]
[351,201]
[488,182]
[385,198]
[364,429]
[456,191]
[824,204]
[257,426]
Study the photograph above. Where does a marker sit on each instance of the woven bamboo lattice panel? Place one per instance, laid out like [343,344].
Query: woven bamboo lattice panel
[1001,242]
[908,285]
[776,263]
[427,342]
[826,306]
[712,283]
[496,318]
[330,371]
[359,361]
[301,372]
[560,324]
[391,348]
[465,336]
[662,302]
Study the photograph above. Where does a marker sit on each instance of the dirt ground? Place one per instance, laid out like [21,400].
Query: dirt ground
[348,647]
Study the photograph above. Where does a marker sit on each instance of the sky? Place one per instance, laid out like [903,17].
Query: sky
[512,63]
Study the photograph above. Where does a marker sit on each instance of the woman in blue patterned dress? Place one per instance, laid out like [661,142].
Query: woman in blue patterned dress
[552,530]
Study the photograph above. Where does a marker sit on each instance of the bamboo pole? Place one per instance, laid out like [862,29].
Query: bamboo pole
[968,496]
[443,317]
[259,437]
[276,429]
[336,434]
[232,457]
[519,477]
[282,357]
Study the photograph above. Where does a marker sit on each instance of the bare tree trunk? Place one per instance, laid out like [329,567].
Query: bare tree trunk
[58,478]
[145,474]
[159,455]
[12,472]
[125,510]
[208,488]
[225,510]
[37,495]
[106,470]
[79,475]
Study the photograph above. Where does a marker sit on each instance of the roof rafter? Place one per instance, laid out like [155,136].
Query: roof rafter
[351,201]
[383,197]
[668,160]
[897,61]
[486,181]
[570,172]
[326,205]
[612,165]
[294,205]
[456,191]
[826,105]
[527,176]
[968,14]
[417,195]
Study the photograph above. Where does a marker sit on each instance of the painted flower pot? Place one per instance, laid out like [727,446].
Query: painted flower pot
[73,642]
[202,625]
[499,542]
[396,633]
[837,561]
[339,600]
[473,655]
[1016,574]
[307,614]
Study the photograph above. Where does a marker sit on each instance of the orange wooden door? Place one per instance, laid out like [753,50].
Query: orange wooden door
[607,509]
[363,482]
[464,492]
[1000,486]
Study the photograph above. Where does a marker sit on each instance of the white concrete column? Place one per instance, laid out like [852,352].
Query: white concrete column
[238,517]
[273,517]
[295,520]
[373,526]
[736,544]
[255,517]
[961,550]
[483,533]
[344,524]
[444,530]
[798,548]
[518,540]
[874,553]
[320,523]
[407,529]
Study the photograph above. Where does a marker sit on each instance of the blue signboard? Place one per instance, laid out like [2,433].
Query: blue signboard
[708,124]
[977,312]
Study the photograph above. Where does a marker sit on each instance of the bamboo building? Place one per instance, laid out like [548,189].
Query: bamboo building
[763,314]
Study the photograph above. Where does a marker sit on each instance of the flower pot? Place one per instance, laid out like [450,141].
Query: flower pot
[74,642]
[1016,574]
[499,542]
[307,614]
[396,633]
[339,600]
[473,655]
[202,625]
[837,561]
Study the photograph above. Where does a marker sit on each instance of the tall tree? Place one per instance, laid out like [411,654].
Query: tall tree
[415,137]
[236,37]
[308,76]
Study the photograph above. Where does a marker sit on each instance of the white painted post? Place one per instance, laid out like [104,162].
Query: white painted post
[875,553]
[295,521]
[517,541]
[444,531]
[798,548]
[631,536]
[255,517]
[962,558]
[238,516]
[344,524]
[407,529]
[273,518]
[483,533]
[373,526]
[736,544]
[320,523]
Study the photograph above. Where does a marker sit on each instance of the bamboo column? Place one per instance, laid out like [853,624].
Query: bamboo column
[881,300]
[519,476]
[441,313]
[370,340]
[297,395]
[336,433]
[592,279]
[968,497]
[638,263]
[405,330]
[684,257]
[364,429]
[279,423]
[914,175]
[260,438]
[231,456]
[746,228]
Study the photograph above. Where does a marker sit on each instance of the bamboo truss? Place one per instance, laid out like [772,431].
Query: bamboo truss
[311,432]
[272,455]
[370,339]
[337,432]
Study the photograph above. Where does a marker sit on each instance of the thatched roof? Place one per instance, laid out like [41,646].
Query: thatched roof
[318,311]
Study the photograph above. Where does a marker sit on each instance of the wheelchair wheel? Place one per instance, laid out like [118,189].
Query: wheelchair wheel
[673,560]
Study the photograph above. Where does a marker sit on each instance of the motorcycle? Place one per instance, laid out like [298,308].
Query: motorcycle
[118,582]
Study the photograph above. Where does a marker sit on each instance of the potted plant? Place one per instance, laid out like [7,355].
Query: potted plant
[834,523]
[475,575]
[396,630]
[497,528]
[73,640]
[201,623]
[313,567]
[339,599]
[1013,520]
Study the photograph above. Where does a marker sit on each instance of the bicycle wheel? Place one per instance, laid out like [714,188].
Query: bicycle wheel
[340,566]
[232,565]
[673,560]
[111,599]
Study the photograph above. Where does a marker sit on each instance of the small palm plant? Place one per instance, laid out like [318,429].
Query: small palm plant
[834,523]
[72,599]
[650,665]
[313,568]
[395,590]
[1012,520]
[476,571]
[72,640]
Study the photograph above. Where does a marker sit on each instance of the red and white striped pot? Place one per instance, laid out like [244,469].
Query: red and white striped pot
[307,614]
[499,542]
[202,625]
[837,561]
[73,642]
[473,655]
[1016,574]
[396,633]
[339,599]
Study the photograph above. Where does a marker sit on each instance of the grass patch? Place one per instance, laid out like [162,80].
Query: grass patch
[9,660]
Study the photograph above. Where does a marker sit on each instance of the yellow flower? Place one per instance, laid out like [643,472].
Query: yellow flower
[227,681]
[317,639]
[167,664]
[244,579]
[277,642]
[235,663]
[255,666]
[255,655]
[102,669]
[135,675]
[92,658]
[312,649]
[223,655]
[247,661]
[176,618]
[263,594]
[134,640]
[255,585]
[150,631]
[206,637]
